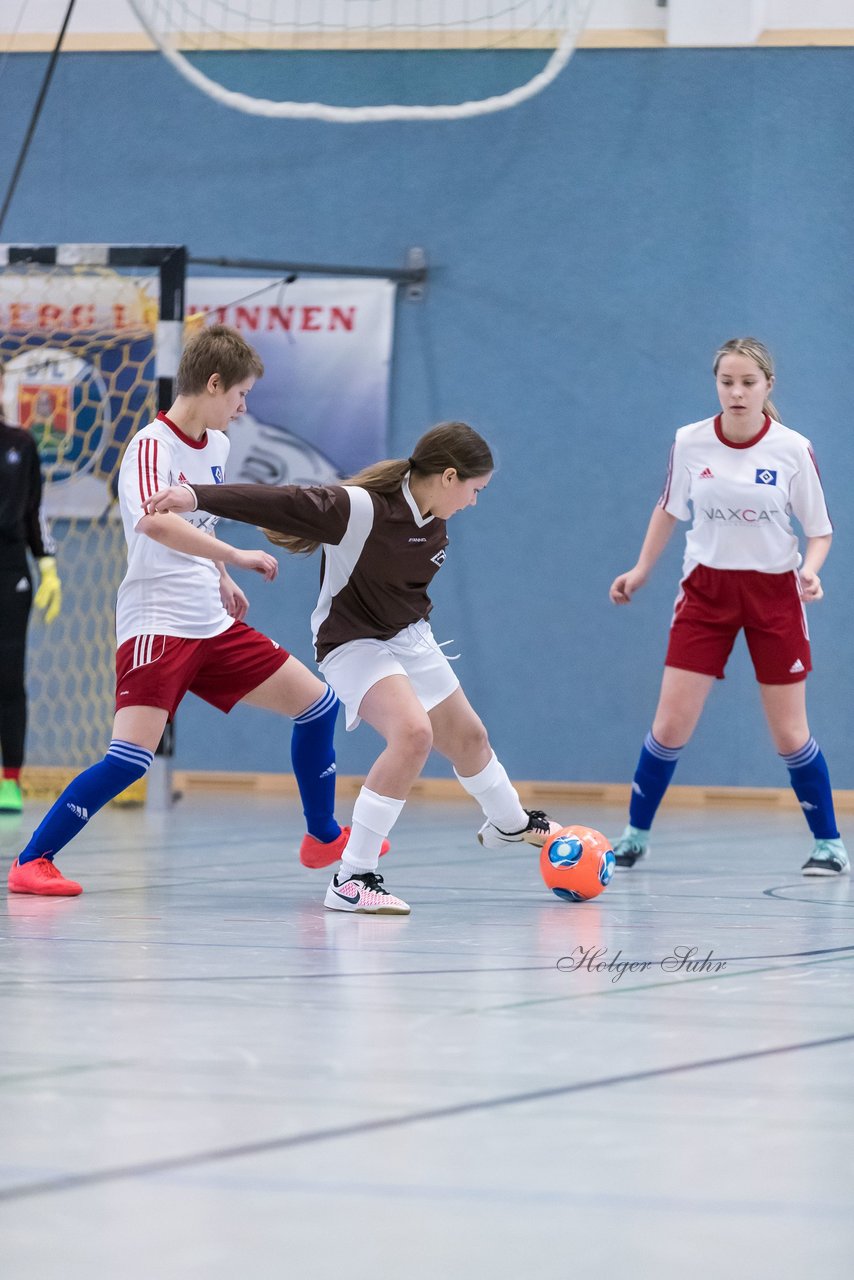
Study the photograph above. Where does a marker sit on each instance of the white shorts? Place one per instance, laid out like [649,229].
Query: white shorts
[355,667]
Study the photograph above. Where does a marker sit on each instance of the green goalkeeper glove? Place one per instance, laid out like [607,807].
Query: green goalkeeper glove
[49,594]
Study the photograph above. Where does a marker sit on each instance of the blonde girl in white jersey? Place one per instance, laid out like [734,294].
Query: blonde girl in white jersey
[738,476]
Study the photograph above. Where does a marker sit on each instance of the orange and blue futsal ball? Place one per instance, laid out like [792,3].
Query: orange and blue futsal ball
[577,863]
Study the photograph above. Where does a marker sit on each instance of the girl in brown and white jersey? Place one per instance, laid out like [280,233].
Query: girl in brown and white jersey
[383,536]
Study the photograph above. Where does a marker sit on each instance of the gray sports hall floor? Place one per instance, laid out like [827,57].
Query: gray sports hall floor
[205,1074]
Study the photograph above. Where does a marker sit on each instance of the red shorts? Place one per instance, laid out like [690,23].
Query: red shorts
[156,671]
[713,605]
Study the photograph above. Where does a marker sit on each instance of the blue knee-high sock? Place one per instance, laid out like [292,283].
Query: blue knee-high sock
[82,798]
[313,759]
[651,780]
[811,784]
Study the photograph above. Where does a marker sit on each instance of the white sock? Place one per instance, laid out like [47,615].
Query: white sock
[497,796]
[373,818]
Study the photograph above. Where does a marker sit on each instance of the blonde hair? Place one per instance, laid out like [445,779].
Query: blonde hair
[217,349]
[759,354]
[450,444]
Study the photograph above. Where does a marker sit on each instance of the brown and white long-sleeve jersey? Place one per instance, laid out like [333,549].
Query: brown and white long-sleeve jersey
[379,553]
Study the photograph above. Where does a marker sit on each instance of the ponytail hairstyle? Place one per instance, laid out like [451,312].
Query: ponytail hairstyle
[450,444]
[759,354]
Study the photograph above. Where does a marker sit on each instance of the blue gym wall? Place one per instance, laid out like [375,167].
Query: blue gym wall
[588,252]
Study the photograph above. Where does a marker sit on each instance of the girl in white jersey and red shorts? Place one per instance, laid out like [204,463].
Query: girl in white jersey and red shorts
[743,473]
[383,537]
[179,622]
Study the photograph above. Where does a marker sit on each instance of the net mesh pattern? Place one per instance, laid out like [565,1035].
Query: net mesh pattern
[78,346]
[202,38]
[358,24]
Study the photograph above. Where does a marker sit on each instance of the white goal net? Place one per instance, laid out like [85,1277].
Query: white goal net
[202,39]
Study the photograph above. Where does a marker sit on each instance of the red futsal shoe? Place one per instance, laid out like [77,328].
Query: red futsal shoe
[314,853]
[40,876]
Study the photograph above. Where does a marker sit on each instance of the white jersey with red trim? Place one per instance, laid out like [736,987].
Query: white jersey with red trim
[166,592]
[742,495]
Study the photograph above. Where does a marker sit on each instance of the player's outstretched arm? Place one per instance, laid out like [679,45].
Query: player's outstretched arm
[180,535]
[319,513]
[658,533]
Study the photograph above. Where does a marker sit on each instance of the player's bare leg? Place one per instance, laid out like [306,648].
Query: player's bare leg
[460,736]
[288,691]
[141,725]
[391,707]
[680,705]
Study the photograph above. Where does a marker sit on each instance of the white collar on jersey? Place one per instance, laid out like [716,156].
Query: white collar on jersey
[413,505]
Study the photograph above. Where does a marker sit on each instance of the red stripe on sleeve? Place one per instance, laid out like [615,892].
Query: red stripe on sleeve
[665,493]
[821,482]
[143,455]
[147,468]
[153,467]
